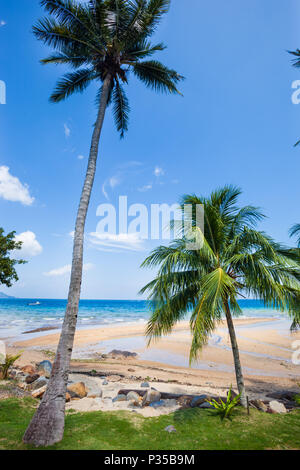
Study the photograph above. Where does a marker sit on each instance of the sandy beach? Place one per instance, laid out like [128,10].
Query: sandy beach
[265,348]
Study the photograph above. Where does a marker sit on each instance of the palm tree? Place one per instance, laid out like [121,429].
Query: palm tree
[295,231]
[234,259]
[103,41]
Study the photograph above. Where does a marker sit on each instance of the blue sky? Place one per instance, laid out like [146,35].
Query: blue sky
[235,124]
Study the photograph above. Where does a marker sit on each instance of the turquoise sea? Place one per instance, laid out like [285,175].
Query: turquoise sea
[18,316]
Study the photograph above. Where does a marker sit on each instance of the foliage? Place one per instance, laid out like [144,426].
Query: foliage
[8,244]
[106,38]
[225,409]
[196,429]
[8,362]
[234,260]
[295,231]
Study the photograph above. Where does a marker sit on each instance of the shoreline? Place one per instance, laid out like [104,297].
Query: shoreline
[265,350]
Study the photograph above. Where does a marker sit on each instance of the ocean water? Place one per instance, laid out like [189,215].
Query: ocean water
[17,316]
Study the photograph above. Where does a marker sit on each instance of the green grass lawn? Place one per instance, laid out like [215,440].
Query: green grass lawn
[196,429]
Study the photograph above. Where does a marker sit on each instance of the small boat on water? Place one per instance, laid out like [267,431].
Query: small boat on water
[34,304]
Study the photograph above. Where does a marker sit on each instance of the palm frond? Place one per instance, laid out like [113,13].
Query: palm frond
[121,108]
[157,76]
[71,83]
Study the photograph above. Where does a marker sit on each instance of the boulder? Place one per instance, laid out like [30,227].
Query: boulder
[151,396]
[94,394]
[145,385]
[184,401]
[133,396]
[114,378]
[105,382]
[116,354]
[68,397]
[259,405]
[28,370]
[119,398]
[170,429]
[206,405]
[77,390]
[45,368]
[198,400]
[31,378]
[40,382]
[164,403]
[39,392]
[158,404]
[277,407]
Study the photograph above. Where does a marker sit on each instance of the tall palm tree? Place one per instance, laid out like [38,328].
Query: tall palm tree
[233,259]
[103,40]
[295,231]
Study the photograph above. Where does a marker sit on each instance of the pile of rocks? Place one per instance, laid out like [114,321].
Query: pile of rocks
[101,389]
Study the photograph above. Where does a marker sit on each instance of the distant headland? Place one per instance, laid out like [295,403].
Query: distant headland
[4,296]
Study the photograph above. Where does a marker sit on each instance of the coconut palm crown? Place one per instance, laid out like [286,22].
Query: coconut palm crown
[106,38]
[235,260]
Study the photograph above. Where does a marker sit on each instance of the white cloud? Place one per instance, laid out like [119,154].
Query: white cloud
[145,188]
[81,157]
[12,189]
[30,245]
[122,241]
[66,270]
[2,23]
[158,171]
[67,130]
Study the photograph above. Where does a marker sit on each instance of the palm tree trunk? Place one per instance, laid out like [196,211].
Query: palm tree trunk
[236,355]
[47,425]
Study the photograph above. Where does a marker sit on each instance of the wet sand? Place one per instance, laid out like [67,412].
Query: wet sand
[265,348]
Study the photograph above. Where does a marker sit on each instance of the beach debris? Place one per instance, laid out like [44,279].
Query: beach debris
[29,379]
[45,367]
[114,378]
[198,400]
[77,390]
[151,396]
[116,354]
[145,385]
[105,382]
[29,369]
[133,396]
[259,405]
[277,407]
[119,398]
[39,392]
[170,429]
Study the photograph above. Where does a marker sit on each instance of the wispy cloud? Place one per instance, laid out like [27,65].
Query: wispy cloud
[145,188]
[158,171]
[11,188]
[66,270]
[111,183]
[67,130]
[81,157]
[2,23]
[122,241]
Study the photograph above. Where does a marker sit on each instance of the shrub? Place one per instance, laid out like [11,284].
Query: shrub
[8,362]
[225,409]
